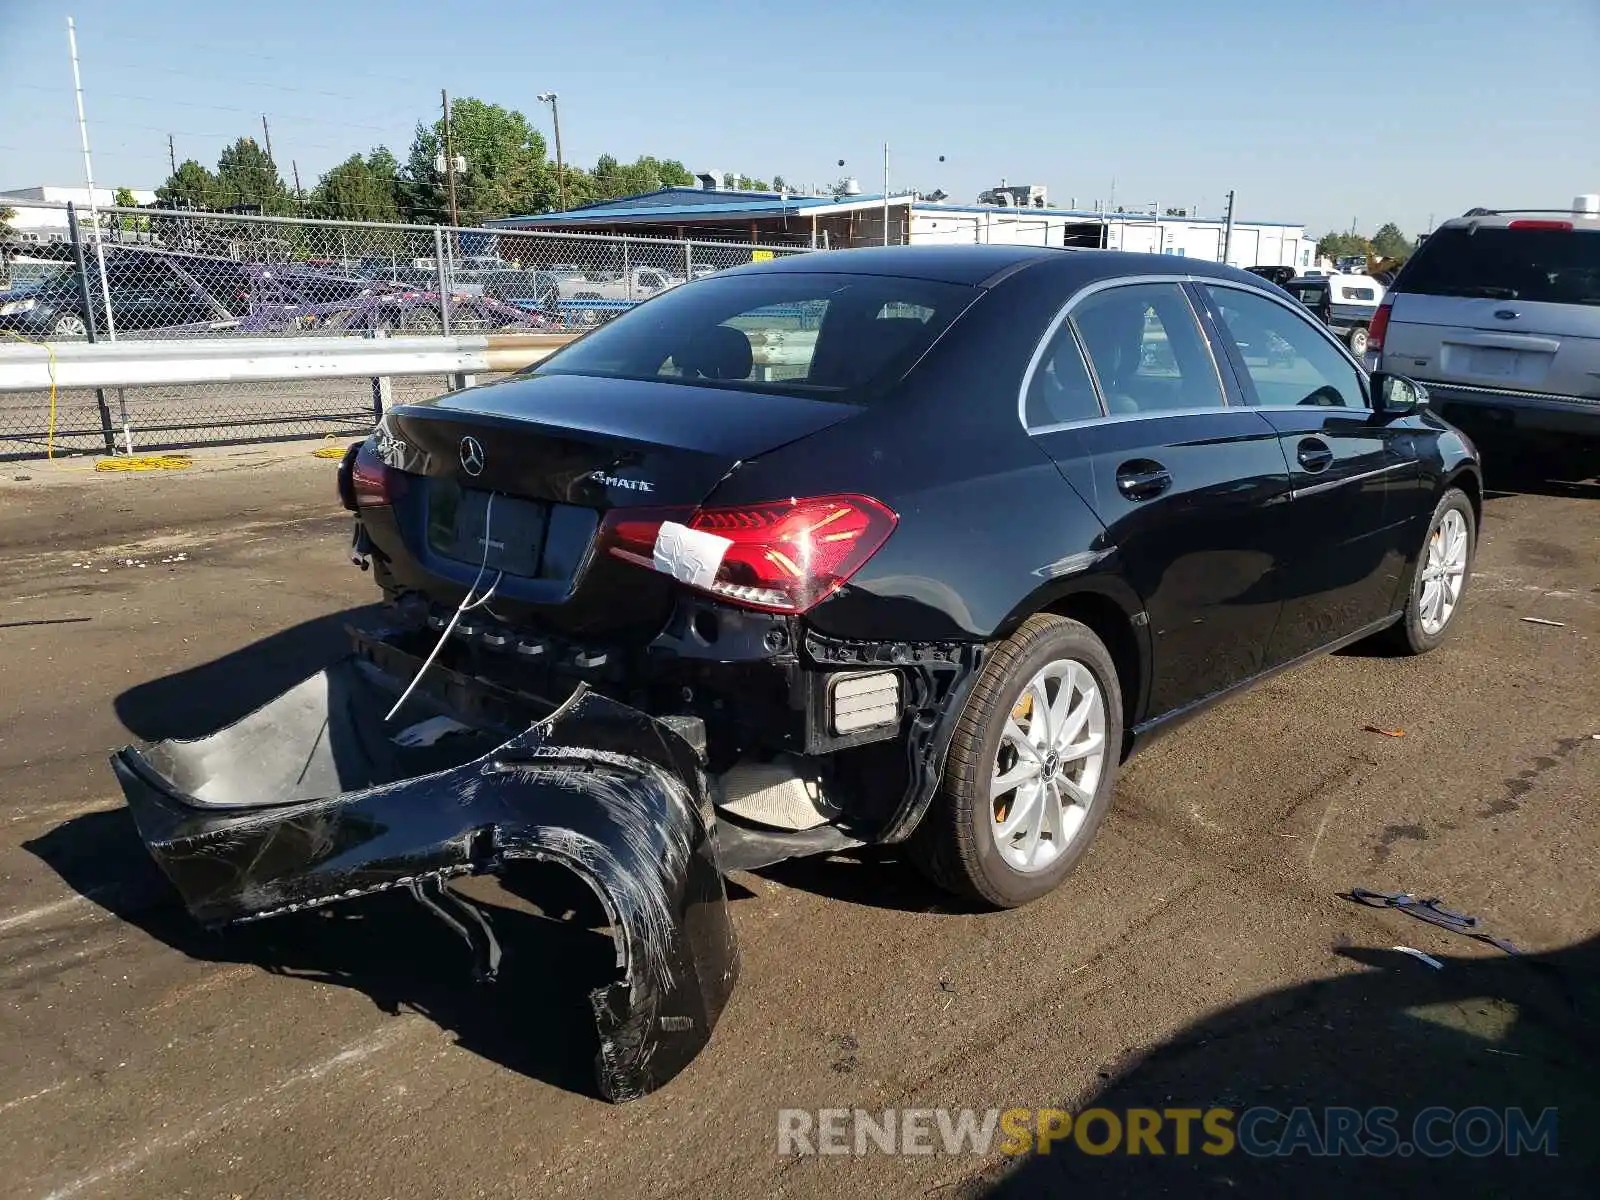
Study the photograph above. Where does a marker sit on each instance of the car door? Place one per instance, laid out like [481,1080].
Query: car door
[1352,473]
[1126,397]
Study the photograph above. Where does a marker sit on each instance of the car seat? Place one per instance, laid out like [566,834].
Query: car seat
[716,352]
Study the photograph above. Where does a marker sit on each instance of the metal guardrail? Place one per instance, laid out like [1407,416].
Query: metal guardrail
[81,397]
[78,397]
[26,367]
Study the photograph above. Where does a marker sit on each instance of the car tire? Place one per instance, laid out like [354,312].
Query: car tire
[1358,341]
[69,325]
[1420,629]
[960,844]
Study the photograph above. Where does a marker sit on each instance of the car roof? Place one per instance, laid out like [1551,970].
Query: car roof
[986,265]
[1487,219]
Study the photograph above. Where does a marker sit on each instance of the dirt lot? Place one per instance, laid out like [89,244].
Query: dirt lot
[1201,956]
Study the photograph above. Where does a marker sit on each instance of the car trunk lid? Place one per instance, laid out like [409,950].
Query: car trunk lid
[516,477]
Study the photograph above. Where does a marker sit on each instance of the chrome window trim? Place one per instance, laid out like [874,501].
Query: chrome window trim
[1291,307]
[1065,312]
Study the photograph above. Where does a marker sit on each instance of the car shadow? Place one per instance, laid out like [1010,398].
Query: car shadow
[868,876]
[388,948]
[1499,1032]
[204,699]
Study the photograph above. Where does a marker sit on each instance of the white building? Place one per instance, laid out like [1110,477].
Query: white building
[1253,243]
[35,223]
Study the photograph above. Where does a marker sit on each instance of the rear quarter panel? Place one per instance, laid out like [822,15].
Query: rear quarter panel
[988,529]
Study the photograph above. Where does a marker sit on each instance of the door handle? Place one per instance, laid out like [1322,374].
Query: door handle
[1314,455]
[1142,479]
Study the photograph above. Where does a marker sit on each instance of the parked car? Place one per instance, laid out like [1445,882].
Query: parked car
[149,291]
[635,284]
[1344,303]
[654,615]
[1499,312]
[1277,274]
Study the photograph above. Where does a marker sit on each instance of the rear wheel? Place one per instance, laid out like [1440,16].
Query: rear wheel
[1030,769]
[1358,341]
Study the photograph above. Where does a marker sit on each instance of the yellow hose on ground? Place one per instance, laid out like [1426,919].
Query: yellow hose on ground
[145,462]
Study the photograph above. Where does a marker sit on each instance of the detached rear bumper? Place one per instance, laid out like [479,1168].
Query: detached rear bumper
[309,801]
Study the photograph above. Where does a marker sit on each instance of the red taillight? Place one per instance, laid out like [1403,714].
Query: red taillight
[1379,326]
[1528,223]
[783,556]
[371,481]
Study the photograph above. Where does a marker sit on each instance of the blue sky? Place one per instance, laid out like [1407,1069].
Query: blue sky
[1470,102]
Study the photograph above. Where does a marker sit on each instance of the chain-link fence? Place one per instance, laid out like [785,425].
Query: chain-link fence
[160,273]
[155,273]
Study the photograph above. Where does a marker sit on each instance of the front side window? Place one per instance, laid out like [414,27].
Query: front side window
[832,336]
[1288,363]
[1147,350]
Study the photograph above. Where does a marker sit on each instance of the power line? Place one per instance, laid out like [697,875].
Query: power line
[228,108]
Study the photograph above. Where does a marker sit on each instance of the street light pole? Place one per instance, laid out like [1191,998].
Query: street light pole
[550,98]
[886,193]
[449,155]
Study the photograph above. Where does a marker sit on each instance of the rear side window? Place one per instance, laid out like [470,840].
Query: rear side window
[1553,266]
[1060,389]
[1358,293]
[1147,350]
[832,336]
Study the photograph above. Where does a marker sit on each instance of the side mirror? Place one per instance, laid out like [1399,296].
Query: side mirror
[1397,396]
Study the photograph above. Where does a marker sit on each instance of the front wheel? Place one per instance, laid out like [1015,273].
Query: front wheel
[1031,765]
[1358,341]
[69,325]
[1439,576]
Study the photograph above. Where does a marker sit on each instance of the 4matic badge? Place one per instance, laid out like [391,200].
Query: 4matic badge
[627,485]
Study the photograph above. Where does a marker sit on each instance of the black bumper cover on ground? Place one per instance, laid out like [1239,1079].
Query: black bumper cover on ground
[597,787]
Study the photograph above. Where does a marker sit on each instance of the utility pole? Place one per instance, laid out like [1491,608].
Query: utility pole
[172,155]
[886,193]
[298,194]
[88,179]
[266,133]
[550,98]
[449,155]
[1227,230]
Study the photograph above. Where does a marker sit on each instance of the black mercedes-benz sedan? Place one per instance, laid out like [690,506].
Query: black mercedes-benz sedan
[922,541]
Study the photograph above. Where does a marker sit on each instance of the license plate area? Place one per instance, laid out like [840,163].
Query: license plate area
[459,518]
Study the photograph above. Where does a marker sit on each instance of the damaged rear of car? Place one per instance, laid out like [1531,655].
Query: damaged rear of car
[599,652]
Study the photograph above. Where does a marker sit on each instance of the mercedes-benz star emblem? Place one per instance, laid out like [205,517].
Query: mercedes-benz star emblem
[472,456]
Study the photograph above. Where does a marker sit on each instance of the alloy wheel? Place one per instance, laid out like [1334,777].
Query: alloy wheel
[1051,758]
[1443,572]
[69,325]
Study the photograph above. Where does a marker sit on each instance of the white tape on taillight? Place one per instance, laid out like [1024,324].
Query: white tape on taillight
[691,556]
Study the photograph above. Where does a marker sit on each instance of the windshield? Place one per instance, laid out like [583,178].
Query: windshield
[1552,265]
[26,277]
[832,336]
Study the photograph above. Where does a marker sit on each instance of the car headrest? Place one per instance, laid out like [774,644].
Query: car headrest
[717,352]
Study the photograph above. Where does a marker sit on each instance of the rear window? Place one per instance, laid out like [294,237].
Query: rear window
[1550,265]
[1309,294]
[831,336]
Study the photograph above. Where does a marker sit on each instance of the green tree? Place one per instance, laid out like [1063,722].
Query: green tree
[190,186]
[1342,245]
[506,174]
[1389,242]
[746,184]
[246,175]
[120,223]
[354,191]
[7,215]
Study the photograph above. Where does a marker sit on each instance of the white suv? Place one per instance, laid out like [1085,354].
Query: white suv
[1498,315]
